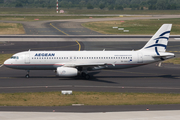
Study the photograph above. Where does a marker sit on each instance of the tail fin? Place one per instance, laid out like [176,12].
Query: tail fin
[159,41]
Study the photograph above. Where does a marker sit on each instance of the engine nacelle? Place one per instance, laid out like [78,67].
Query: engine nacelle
[67,72]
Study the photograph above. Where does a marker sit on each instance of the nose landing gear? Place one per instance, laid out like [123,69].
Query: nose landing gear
[27,75]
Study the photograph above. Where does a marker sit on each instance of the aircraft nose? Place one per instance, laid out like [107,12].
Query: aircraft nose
[6,62]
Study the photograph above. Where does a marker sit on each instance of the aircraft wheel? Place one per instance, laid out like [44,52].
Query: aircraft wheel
[83,74]
[27,76]
[87,77]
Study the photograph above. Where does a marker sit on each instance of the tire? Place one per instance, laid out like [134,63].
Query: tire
[27,76]
[83,74]
[87,77]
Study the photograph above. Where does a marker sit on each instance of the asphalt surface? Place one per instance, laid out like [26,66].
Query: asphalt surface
[88,109]
[13,47]
[146,79]
[73,26]
[149,78]
[59,28]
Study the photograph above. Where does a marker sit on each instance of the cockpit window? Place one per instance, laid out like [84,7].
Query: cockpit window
[14,57]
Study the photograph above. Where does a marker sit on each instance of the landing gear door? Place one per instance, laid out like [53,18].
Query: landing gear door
[27,58]
[140,58]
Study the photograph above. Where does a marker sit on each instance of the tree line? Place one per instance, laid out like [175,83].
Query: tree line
[101,4]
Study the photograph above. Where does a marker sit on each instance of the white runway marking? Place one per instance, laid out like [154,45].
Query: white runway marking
[1,65]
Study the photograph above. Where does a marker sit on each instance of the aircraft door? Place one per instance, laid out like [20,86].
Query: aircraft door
[27,58]
[140,58]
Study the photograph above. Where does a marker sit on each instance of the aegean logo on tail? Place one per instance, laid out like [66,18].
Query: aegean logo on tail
[157,40]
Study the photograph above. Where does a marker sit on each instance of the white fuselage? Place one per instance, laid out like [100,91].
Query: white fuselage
[50,60]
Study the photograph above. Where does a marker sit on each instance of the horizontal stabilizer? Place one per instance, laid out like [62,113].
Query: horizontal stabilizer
[165,55]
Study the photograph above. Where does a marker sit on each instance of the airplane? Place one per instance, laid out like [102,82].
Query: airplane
[73,63]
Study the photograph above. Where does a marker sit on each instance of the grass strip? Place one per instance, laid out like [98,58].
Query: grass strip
[174,61]
[86,11]
[135,27]
[11,28]
[4,57]
[43,18]
[86,98]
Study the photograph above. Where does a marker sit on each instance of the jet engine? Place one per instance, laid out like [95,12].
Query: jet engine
[67,72]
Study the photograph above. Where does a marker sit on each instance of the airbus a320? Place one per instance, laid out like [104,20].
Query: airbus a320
[72,63]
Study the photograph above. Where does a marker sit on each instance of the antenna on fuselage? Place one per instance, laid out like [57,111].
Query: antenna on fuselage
[103,49]
[29,49]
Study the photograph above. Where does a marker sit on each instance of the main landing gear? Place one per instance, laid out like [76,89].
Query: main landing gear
[85,75]
[27,75]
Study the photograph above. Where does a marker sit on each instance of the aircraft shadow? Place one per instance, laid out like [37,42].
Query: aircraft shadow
[161,76]
[101,78]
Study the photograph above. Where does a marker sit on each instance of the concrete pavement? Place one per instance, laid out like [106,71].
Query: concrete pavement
[139,115]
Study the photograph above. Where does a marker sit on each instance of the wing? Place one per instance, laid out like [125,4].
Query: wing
[84,64]
[89,66]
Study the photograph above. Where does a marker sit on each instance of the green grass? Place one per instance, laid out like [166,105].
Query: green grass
[11,29]
[86,98]
[126,11]
[27,11]
[41,18]
[174,61]
[4,57]
[86,11]
[135,27]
